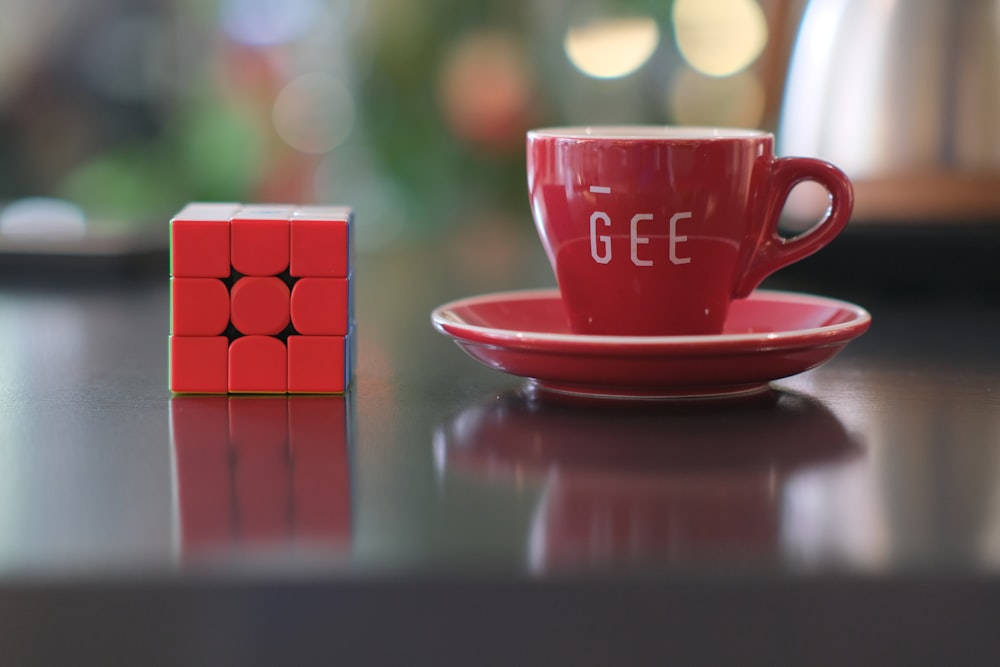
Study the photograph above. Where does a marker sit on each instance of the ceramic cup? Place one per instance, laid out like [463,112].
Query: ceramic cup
[653,231]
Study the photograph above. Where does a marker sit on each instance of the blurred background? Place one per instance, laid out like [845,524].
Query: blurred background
[117,112]
[412,112]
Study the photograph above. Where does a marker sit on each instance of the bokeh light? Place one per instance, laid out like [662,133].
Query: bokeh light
[485,88]
[719,37]
[314,113]
[612,48]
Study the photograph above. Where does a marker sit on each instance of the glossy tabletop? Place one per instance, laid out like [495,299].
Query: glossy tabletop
[441,510]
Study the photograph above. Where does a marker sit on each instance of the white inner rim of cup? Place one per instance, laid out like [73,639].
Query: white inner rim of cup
[646,132]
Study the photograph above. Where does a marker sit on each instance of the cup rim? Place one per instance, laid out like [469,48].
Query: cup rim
[647,132]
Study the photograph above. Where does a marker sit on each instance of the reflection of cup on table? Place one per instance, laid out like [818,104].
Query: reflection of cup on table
[639,487]
[654,231]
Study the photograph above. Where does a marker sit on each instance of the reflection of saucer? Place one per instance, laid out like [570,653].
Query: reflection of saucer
[768,336]
[514,436]
[647,487]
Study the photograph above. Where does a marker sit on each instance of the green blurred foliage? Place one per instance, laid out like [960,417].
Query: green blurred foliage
[440,175]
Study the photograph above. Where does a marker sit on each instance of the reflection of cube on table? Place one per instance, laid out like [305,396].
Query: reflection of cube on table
[262,472]
[261,299]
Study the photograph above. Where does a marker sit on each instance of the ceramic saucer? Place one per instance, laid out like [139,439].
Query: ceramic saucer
[767,336]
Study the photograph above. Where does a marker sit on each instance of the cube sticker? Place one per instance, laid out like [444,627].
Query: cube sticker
[261,299]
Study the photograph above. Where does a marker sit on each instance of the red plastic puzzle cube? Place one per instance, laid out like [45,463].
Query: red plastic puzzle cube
[261,299]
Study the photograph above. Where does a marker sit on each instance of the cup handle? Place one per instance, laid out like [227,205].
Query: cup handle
[774,251]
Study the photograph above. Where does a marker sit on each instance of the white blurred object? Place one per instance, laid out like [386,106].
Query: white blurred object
[43,217]
[904,96]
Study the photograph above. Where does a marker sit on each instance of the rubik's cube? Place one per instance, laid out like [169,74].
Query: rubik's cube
[261,299]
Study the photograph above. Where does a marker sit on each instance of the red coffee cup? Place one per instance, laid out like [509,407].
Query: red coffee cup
[653,231]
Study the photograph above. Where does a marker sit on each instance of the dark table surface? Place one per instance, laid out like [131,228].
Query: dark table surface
[435,513]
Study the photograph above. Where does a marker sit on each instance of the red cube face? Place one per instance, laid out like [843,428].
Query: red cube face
[246,283]
[199,364]
[320,245]
[260,305]
[260,241]
[320,306]
[259,365]
[317,364]
[199,307]
[199,249]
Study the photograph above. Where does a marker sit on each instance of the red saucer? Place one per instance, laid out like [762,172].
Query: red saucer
[767,336]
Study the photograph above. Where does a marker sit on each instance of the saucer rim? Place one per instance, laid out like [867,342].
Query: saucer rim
[836,333]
